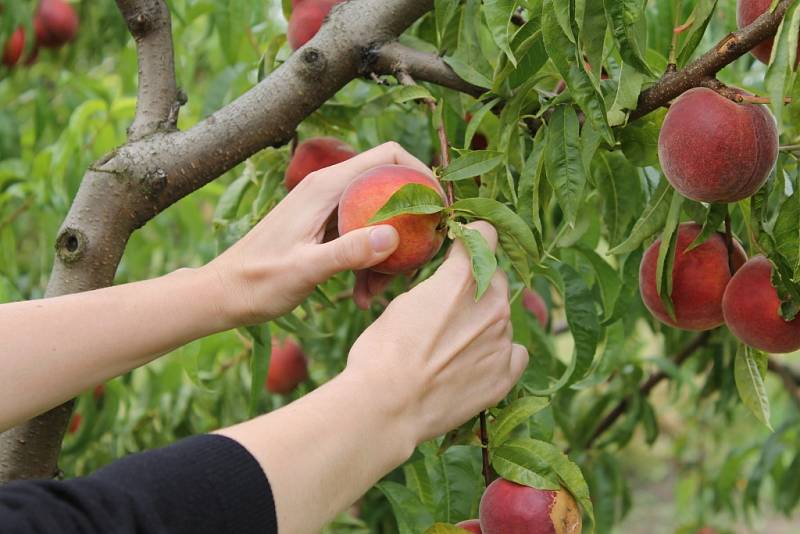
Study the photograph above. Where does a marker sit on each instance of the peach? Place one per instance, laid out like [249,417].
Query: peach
[510,508]
[13,48]
[746,12]
[715,150]
[421,236]
[55,22]
[307,19]
[535,304]
[752,310]
[315,154]
[699,278]
[75,423]
[288,367]
[471,525]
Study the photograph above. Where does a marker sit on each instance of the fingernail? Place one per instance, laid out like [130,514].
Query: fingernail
[382,238]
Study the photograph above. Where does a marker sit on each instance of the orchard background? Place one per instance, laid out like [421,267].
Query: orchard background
[666,430]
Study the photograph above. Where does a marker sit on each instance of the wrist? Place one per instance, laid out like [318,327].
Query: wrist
[204,289]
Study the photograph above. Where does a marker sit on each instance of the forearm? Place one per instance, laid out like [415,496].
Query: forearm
[324,451]
[58,347]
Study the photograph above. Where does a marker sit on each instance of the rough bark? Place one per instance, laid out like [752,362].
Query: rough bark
[159,166]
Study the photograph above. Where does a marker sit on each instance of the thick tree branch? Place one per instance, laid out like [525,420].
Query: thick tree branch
[732,47]
[645,389]
[394,57]
[157,168]
[158,102]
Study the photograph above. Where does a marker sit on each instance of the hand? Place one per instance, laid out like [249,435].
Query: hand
[273,268]
[437,357]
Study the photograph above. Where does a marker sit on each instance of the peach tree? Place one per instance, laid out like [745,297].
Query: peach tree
[632,155]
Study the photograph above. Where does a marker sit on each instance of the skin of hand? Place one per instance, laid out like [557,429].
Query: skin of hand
[432,360]
[52,349]
[276,266]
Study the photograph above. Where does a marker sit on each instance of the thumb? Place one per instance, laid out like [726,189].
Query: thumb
[355,250]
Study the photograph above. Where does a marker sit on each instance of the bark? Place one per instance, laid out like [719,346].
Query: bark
[159,166]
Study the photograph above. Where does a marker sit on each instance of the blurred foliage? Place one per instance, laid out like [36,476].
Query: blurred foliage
[581,191]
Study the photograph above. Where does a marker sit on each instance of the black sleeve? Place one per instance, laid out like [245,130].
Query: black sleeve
[205,484]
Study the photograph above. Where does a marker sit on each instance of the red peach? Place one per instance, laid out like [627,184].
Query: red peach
[420,235]
[315,154]
[12,51]
[699,278]
[715,150]
[288,367]
[510,508]
[746,12]
[307,19]
[55,22]
[75,423]
[535,304]
[752,310]
[471,525]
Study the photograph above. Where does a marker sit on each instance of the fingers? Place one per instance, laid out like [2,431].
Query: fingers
[355,250]
[518,363]
[320,191]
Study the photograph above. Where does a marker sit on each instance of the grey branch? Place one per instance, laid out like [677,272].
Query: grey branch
[156,108]
[394,57]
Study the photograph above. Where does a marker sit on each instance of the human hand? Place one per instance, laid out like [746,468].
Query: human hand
[273,268]
[436,357]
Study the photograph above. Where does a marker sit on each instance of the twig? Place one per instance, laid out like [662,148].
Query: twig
[487,466]
[648,386]
[444,145]
[150,25]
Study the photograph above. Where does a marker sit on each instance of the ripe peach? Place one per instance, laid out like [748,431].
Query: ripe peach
[699,278]
[288,367]
[510,508]
[746,12]
[420,235]
[752,310]
[12,51]
[55,22]
[471,525]
[307,19]
[715,150]
[315,154]
[535,304]
[75,423]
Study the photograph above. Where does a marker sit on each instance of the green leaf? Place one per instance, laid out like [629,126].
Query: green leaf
[477,118]
[419,481]
[666,255]
[412,517]
[627,98]
[515,237]
[259,363]
[786,231]
[564,162]
[651,221]
[415,199]
[228,203]
[780,73]
[700,17]
[749,370]
[626,18]
[513,415]
[498,18]
[606,277]
[714,218]
[639,139]
[482,259]
[474,163]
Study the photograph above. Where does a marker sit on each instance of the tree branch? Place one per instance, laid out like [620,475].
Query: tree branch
[647,387]
[732,47]
[130,186]
[394,57]
[158,102]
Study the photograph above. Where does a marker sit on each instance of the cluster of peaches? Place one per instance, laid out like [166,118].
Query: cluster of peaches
[714,148]
[55,24]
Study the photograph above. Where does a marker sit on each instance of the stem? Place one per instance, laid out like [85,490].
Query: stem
[487,467]
[729,244]
[678,5]
[444,145]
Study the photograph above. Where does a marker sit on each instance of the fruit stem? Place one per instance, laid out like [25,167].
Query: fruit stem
[444,145]
[729,244]
[487,468]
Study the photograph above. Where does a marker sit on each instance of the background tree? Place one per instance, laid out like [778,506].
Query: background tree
[571,175]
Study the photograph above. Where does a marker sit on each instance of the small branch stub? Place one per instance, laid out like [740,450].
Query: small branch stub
[70,245]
